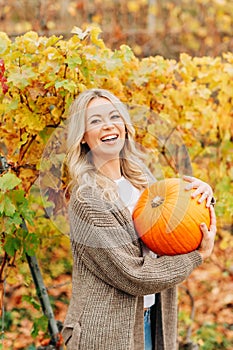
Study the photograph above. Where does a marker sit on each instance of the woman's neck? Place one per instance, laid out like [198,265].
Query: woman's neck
[110,168]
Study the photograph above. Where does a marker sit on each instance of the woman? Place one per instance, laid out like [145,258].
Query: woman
[112,271]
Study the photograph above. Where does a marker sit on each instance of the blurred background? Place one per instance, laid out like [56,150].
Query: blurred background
[149,27]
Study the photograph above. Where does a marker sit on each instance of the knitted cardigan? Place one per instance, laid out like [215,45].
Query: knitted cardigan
[110,277]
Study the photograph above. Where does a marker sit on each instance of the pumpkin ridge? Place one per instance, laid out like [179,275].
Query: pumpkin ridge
[162,239]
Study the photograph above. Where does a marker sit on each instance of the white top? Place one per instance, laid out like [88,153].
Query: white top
[130,195]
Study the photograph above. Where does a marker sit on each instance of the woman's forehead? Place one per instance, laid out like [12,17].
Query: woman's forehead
[99,102]
[100,105]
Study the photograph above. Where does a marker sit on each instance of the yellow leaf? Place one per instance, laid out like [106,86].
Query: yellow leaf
[56,113]
[4,43]
[28,120]
[95,31]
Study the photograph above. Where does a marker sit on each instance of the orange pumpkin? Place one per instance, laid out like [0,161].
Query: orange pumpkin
[168,219]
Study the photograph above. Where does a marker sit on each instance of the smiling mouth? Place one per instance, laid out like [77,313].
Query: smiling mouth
[109,138]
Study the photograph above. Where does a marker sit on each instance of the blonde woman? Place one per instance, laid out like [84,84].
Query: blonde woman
[114,276]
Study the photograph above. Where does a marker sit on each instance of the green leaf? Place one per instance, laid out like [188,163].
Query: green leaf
[13,105]
[9,181]
[18,196]
[22,76]
[15,220]
[11,245]
[26,212]
[66,84]
[31,301]
[40,324]
[73,61]
[9,207]
[1,203]
[31,244]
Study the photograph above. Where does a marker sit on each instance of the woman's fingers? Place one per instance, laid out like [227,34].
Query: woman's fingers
[207,243]
[208,201]
[213,220]
[202,189]
[188,178]
[205,195]
[205,192]
[212,229]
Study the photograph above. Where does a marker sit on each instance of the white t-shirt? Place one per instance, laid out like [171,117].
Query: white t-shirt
[130,195]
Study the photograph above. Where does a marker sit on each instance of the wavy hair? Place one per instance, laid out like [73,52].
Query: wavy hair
[81,169]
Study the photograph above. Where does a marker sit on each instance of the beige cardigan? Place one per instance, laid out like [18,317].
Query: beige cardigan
[110,278]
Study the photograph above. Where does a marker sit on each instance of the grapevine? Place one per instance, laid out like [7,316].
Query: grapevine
[40,76]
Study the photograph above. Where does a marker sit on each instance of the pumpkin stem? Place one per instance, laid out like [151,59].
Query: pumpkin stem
[157,201]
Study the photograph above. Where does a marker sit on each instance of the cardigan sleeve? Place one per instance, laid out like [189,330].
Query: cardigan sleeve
[106,242]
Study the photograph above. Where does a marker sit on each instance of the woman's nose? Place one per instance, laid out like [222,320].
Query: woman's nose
[108,124]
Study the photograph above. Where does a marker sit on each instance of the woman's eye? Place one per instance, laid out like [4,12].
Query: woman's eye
[115,116]
[95,121]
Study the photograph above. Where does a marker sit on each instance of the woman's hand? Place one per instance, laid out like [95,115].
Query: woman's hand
[207,243]
[202,188]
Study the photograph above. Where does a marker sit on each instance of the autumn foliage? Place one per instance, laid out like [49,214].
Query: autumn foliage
[40,76]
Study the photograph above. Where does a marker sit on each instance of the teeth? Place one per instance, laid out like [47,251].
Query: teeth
[109,138]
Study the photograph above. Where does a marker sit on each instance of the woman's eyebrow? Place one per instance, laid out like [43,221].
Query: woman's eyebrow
[94,115]
[99,115]
[114,111]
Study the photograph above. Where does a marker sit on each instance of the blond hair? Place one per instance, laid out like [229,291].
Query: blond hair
[82,171]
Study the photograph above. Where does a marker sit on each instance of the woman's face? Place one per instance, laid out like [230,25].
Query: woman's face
[105,129]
